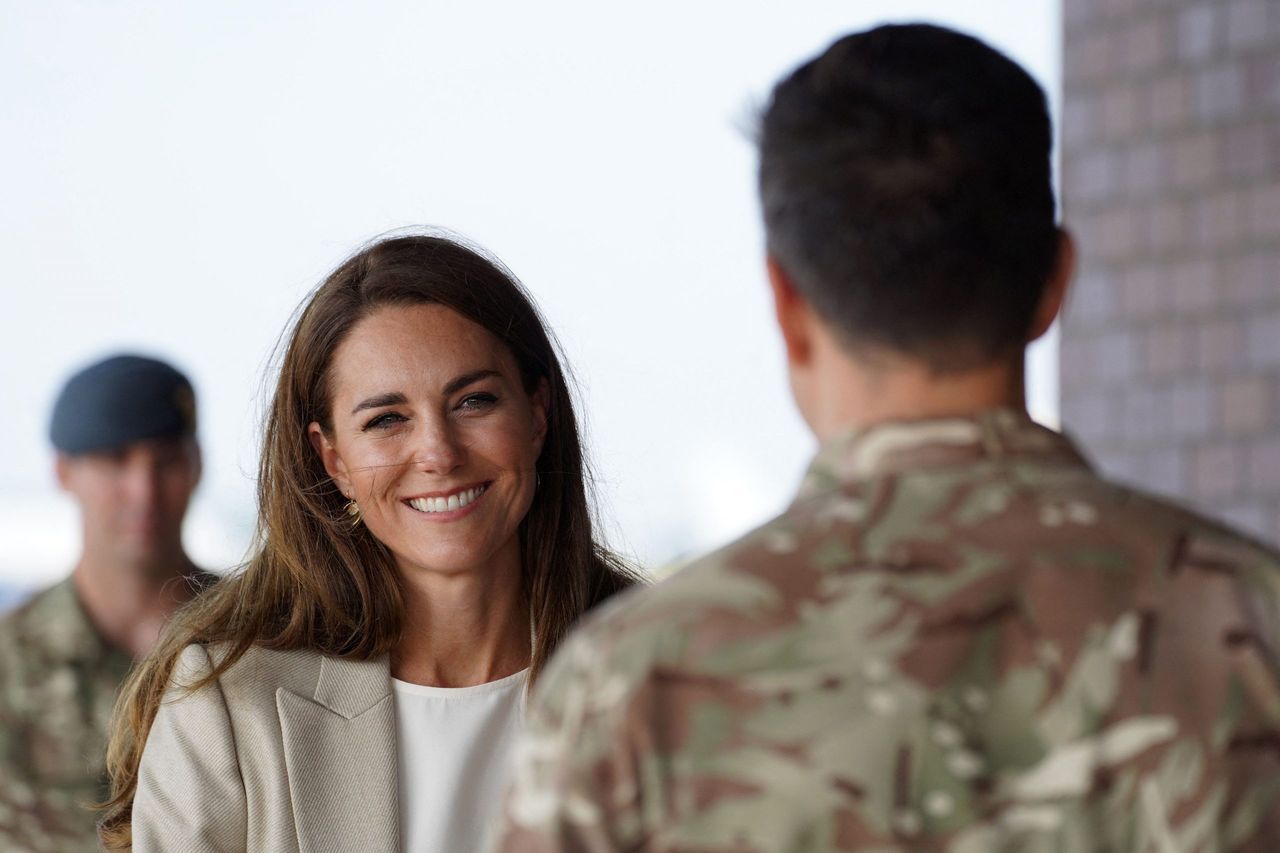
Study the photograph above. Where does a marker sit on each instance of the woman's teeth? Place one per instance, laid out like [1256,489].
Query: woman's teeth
[452,502]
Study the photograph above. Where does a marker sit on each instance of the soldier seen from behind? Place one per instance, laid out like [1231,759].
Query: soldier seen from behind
[124,434]
[959,637]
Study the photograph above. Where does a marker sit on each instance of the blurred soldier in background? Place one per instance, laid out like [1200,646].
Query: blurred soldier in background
[124,432]
[959,637]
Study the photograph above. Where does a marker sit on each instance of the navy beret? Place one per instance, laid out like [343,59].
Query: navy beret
[120,400]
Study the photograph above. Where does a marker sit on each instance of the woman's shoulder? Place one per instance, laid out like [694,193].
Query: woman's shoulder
[253,677]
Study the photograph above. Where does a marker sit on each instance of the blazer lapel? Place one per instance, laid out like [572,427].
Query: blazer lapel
[340,754]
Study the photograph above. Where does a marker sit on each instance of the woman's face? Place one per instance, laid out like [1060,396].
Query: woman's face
[434,437]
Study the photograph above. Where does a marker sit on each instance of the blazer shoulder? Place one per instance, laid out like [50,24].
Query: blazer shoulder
[254,678]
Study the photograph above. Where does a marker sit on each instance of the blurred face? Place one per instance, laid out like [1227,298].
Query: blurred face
[434,437]
[133,498]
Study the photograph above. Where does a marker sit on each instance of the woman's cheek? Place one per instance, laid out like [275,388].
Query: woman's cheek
[374,470]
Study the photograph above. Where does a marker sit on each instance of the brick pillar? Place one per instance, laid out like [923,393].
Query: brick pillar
[1170,355]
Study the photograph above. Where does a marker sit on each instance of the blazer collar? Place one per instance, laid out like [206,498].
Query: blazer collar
[341,758]
[351,687]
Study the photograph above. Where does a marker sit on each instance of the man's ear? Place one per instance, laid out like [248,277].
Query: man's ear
[333,464]
[1055,289]
[793,314]
[62,470]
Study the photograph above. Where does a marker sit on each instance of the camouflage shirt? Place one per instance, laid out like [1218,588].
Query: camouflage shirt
[957,638]
[58,681]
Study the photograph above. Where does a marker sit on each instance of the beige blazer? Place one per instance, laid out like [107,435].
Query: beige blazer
[287,752]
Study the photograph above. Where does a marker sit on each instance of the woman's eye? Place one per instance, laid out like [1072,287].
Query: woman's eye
[477,402]
[384,420]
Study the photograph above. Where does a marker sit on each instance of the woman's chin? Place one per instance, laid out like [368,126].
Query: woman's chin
[446,563]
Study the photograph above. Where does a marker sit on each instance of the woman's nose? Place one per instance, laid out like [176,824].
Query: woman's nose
[438,449]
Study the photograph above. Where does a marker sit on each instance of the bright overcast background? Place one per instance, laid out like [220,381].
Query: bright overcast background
[177,175]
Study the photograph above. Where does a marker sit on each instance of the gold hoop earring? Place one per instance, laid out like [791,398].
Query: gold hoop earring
[352,509]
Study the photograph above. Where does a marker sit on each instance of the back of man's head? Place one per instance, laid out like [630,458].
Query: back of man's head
[906,183]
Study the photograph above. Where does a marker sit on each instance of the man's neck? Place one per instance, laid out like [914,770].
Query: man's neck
[852,394]
[129,603]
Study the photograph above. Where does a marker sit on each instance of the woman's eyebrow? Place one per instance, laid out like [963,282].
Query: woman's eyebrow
[466,379]
[393,398]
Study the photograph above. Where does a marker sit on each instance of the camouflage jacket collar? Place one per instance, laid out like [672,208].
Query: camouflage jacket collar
[58,619]
[901,446]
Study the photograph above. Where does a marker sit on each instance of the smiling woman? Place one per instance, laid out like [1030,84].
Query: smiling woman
[425,541]
[434,438]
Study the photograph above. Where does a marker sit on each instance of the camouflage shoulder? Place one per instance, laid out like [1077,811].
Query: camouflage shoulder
[1197,542]
[1180,537]
[20,619]
[1185,522]
[1209,547]
[695,584]
[655,625]
[23,629]
[1233,544]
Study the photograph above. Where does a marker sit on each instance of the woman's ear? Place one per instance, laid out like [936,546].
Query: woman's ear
[333,464]
[541,404]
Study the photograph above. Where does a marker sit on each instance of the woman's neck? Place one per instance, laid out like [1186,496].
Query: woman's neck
[463,629]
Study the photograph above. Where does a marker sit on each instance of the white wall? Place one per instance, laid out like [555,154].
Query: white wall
[177,175]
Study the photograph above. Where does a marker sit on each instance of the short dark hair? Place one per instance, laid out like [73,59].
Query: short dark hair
[906,181]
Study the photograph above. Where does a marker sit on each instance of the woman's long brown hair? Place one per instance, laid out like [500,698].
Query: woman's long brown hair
[314,580]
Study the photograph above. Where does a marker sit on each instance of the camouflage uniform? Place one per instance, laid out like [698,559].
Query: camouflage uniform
[958,638]
[58,681]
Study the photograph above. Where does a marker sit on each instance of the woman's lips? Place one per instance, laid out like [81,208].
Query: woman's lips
[449,503]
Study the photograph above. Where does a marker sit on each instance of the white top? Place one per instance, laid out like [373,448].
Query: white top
[454,751]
